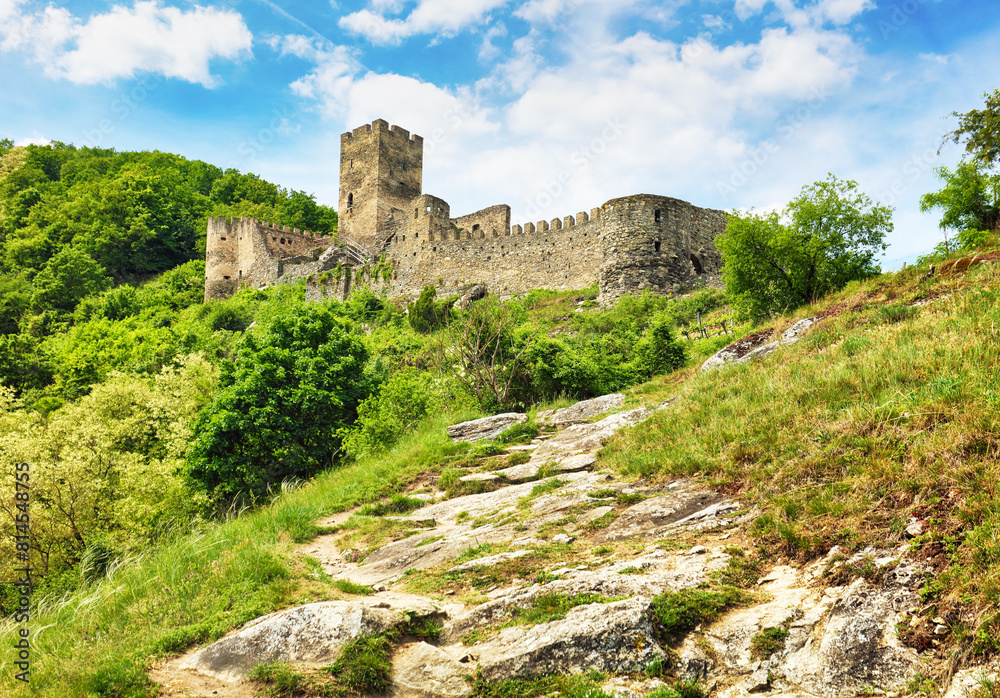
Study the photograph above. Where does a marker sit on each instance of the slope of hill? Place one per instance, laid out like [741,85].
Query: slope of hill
[823,521]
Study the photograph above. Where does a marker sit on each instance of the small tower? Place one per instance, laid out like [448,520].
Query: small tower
[381,172]
[220,258]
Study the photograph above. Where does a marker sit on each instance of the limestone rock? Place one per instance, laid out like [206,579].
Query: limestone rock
[612,638]
[582,411]
[654,516]
[424,671]
[750,348]
[310,634]
[476,293]
[551,463]
[485,428]
[590,437]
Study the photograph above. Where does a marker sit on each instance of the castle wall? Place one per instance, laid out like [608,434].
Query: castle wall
[247,252]
[655,242]
[488,223]
[541,257]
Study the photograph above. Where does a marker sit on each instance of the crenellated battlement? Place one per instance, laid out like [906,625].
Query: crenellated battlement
[630,244]
[380,127]
[565,223]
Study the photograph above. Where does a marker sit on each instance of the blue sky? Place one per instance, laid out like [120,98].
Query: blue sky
[551,106]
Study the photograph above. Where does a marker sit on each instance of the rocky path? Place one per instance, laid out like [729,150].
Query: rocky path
[556,527]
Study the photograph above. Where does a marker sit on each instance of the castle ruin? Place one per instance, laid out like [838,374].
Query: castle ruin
[406,240]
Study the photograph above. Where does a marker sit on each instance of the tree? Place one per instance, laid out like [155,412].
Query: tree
[283,404]
[66,279]
[970,198]
[827,236]
[980,129]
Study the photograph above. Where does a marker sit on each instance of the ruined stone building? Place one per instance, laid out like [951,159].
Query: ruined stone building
[398,239]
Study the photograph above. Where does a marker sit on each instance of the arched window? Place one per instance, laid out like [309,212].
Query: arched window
[656,246]
[696,263]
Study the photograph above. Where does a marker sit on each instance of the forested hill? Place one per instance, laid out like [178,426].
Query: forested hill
[134,214]
[78,222]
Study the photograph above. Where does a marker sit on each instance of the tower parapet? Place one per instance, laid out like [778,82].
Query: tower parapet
[381,172]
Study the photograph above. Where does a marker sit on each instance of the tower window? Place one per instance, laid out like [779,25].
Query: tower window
[474,228]
[223,239]
[350,200]
[656,246]
[656,216]
[696,263]
[416,213]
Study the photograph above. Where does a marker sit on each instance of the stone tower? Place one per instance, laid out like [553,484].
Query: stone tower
[381,172]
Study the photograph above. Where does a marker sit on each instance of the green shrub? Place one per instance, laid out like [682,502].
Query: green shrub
[120,679]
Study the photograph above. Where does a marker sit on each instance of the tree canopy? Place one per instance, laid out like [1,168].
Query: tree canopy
[283,404]
[979,129]
[827,236]
[970,199]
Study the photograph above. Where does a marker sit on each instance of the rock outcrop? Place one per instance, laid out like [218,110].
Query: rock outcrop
[557,528]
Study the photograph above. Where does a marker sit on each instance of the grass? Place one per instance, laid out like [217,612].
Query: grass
[546,608]
[769,640]
[349,587]
[677,612]
[197,587]
[841,437]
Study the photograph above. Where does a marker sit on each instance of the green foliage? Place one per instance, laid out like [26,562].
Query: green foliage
[969,201]
[398,504]
[109,462]
[66,279]
[283,404]
[121,679]
[400,403]
[427,314]
[980,130]
[826,237]
[546,608]
[768,641]
[365,664]
[676,612]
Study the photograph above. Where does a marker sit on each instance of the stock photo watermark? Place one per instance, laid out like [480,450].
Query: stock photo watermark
[899,15]
[278,125]
[788,125]
[581,158]
[122,107]
[22,567]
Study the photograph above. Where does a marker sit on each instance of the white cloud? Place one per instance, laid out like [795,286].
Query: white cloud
[446,17]
[147,37]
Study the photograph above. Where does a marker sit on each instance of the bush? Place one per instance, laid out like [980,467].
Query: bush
[284,404]
[401,402]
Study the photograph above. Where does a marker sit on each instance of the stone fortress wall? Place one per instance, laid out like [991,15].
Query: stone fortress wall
[630,244]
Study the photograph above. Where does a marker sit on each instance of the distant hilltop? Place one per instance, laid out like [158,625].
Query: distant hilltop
[400,240]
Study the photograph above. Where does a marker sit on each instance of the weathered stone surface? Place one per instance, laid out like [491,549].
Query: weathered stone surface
[590,437]
[734,354]
[424,671]
[659,571]
[614,638]
[476,293]
[842,640]
[966,682]
[310,634]
[652,517]
[550,463]
[582,411]
[485,428]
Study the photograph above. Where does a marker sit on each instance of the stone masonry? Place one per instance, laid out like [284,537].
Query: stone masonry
[629,244]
